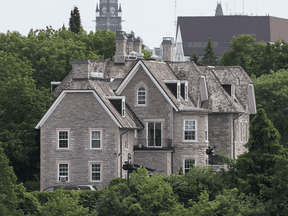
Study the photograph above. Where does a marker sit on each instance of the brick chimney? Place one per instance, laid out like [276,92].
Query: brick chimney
[121,47]
[81,69]
[168,49]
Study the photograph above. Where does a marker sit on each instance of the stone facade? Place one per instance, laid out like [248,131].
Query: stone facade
[160,115]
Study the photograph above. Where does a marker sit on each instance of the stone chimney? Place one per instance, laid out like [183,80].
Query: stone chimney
[138,45]
[121,47]
[168,49]
[81,69]
[130,43]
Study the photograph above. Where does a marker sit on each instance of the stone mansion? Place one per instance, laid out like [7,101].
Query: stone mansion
[159,115]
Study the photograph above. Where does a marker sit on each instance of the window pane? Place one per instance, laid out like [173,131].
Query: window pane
[95,134]
[63,143]
[96,172]
[63,134]
[95,143]
[189,135]
[158,134]
[151,134]
[188,164]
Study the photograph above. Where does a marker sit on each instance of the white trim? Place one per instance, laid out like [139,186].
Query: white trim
[178,90]
[186,91]
[123,107]
[90,171]
[233,91]
[55,83]
[190,130]
[116,97]
[58,170]
[251,99]
[131,75]
[135,133]
[206,130]
[183,167]
[62,95]
[68,139]
[203,88]
[170,81]
[93,130]
[141,95]
[126,144]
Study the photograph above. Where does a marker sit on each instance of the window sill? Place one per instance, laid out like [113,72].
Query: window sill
[190,141]
[61,149]
[95,149]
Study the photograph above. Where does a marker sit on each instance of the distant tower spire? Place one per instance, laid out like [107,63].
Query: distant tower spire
[97,8]
[219,11]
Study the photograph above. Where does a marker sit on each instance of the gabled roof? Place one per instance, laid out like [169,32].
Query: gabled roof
[100,91]
[158,72]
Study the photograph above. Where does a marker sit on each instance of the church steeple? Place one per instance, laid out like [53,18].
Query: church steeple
[219,11]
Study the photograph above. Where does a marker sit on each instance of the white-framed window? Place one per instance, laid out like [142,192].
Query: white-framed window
[141,96]
[206,130]
[63,172]
[154,134]
[190,130]
[63,139]
[95,139]
[123,107]
[187,164]
[95,172]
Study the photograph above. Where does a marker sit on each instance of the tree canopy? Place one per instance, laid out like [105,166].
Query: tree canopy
[75,21]
[209,57]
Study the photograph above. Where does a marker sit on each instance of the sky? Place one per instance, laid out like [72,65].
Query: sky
[150,19]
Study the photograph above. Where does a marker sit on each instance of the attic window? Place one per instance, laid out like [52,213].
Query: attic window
[119,105]
[184,90]
[230,89]
[54,85]
[178,91]
[175,87]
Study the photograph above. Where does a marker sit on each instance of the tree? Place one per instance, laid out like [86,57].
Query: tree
[194,58]
[75,20]
[21,107]
[209,57]
[9,190]
[272,95]
[256,166]
[147,54]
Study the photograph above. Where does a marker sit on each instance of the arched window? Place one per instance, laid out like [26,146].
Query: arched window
[141,96]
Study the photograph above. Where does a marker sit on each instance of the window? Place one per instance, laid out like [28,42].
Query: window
[246,131]
[63,139]
[126,144]
[141,96]
[187,164]
[206,130]
[154,134]
[240,131]
[135,133]
[95,171]
[95,139]
[190,130]
[186,91]
[233,92]
[63,172]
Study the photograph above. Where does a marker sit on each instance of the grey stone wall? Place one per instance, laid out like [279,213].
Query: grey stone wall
[72,115]
[189,149]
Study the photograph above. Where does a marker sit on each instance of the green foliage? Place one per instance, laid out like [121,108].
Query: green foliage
[64,204]
[196,181]
[147,54]
[195,58]
[75,20]
[22,105]
[209,57]
[271,93]
[10,192]
[181,171]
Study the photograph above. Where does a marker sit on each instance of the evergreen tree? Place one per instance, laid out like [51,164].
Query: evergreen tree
[209,56]
[75,21]
[195,58]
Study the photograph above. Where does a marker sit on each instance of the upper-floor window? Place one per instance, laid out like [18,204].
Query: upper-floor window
[141,96]
[63,139]
[190,130]
[95,139]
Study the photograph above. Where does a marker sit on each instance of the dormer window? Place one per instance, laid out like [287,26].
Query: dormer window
[141,96]
[119,103]
[230,89]
[178,88]
[184,90]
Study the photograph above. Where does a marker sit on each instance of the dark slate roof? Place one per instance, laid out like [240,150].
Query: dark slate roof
[81,62]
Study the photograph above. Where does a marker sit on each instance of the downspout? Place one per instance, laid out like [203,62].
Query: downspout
[234,134]
[121,153]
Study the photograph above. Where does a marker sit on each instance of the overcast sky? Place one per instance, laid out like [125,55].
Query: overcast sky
[149,19]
